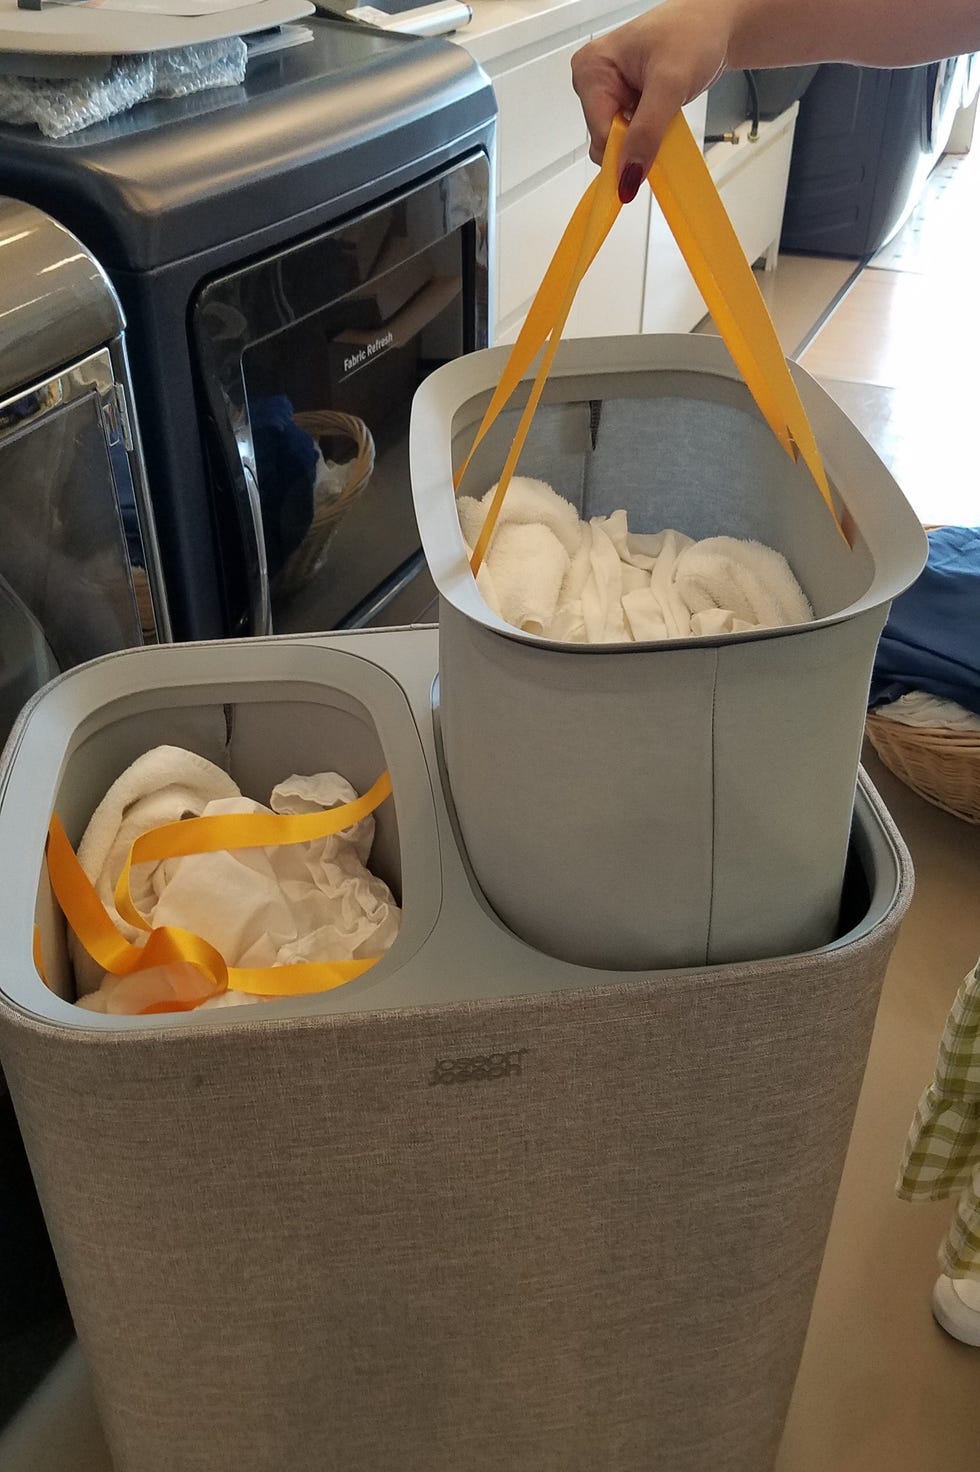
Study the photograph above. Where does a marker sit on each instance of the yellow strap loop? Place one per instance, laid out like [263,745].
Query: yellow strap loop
[578,248]
[239,830]
[684,189]
[172,947]
[686,193]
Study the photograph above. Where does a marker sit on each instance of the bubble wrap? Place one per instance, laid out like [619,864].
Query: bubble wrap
[59,107]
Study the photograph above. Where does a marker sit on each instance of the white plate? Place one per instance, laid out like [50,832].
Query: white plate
[83,30]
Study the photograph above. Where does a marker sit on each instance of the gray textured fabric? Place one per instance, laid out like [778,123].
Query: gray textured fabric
[285,1246]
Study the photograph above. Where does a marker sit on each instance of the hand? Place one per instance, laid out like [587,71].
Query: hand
[649,69]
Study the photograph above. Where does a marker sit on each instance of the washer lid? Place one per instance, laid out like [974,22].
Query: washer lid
[56,303]
[309,126]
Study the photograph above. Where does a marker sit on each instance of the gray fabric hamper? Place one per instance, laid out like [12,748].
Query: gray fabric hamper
[679,802]
[479,1208]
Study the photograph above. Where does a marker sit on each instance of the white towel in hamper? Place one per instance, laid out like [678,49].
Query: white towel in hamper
[549,573]
[313,901]
[162,786]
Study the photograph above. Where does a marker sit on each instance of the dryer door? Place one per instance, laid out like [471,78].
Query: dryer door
[75,579]
[309,360]
[26,661]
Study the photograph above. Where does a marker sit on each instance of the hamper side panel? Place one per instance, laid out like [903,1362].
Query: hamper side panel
[784,785]
[285,1247]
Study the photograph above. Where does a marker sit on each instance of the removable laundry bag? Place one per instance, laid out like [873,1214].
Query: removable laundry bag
[688,801]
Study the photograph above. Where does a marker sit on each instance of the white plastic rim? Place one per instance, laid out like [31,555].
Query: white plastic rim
[887,523]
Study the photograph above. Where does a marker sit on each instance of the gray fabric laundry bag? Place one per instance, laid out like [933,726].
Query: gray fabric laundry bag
[674,803]
[669,803]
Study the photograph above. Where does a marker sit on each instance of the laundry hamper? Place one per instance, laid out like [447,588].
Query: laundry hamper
[686,801]
[479,1208]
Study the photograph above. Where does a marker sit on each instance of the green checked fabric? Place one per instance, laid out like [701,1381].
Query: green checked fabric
[942,1153]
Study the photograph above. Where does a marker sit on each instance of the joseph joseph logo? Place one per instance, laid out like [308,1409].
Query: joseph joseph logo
[484,1066]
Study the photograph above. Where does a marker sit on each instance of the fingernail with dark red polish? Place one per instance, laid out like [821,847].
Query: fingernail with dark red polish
[629,182]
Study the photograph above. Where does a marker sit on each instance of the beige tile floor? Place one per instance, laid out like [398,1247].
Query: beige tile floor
[800,291]
[900,353]
[881,1387]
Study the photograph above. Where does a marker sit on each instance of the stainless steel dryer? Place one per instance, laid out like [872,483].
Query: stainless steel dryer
[293,256]
[78,577]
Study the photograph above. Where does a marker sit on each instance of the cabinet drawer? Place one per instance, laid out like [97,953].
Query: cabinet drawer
[528,231]
[610,300]
[754,187]
[540,117]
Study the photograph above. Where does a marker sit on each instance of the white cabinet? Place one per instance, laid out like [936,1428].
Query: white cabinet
[671,301]
[528,229]
[610,299]
[543,169]
[752,179]
[539,120]
[639,282]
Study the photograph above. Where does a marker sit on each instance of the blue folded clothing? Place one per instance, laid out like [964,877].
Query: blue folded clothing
[931,641]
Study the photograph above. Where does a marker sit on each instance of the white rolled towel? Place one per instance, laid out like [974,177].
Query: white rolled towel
[546,572]
[748,584]
[536,536]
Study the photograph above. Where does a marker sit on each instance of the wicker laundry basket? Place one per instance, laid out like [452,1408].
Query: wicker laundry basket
[328,510]
[940,764]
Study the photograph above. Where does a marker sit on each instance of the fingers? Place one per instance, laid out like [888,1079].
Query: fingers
[649,68]
[603,91]
[652,114]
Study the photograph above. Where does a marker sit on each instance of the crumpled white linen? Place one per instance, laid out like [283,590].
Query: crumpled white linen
[312,901]
[918,708]
[549,573]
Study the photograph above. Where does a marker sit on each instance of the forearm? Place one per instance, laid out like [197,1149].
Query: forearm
[873,32]
[655,64]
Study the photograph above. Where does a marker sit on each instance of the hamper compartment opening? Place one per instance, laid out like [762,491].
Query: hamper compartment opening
[257,741]
[675,450]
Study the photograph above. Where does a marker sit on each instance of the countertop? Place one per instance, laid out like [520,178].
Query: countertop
[501,27]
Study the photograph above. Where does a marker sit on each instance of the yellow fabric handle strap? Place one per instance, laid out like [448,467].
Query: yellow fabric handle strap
[169,946]
[239,830]
[591,222]
[690,202]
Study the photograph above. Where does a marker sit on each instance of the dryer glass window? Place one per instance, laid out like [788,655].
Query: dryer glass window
[310,361]
[69,537]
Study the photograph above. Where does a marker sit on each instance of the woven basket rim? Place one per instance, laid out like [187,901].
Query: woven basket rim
[924,735]
[939,763]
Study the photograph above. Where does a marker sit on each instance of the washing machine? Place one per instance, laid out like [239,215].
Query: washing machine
[866,141]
